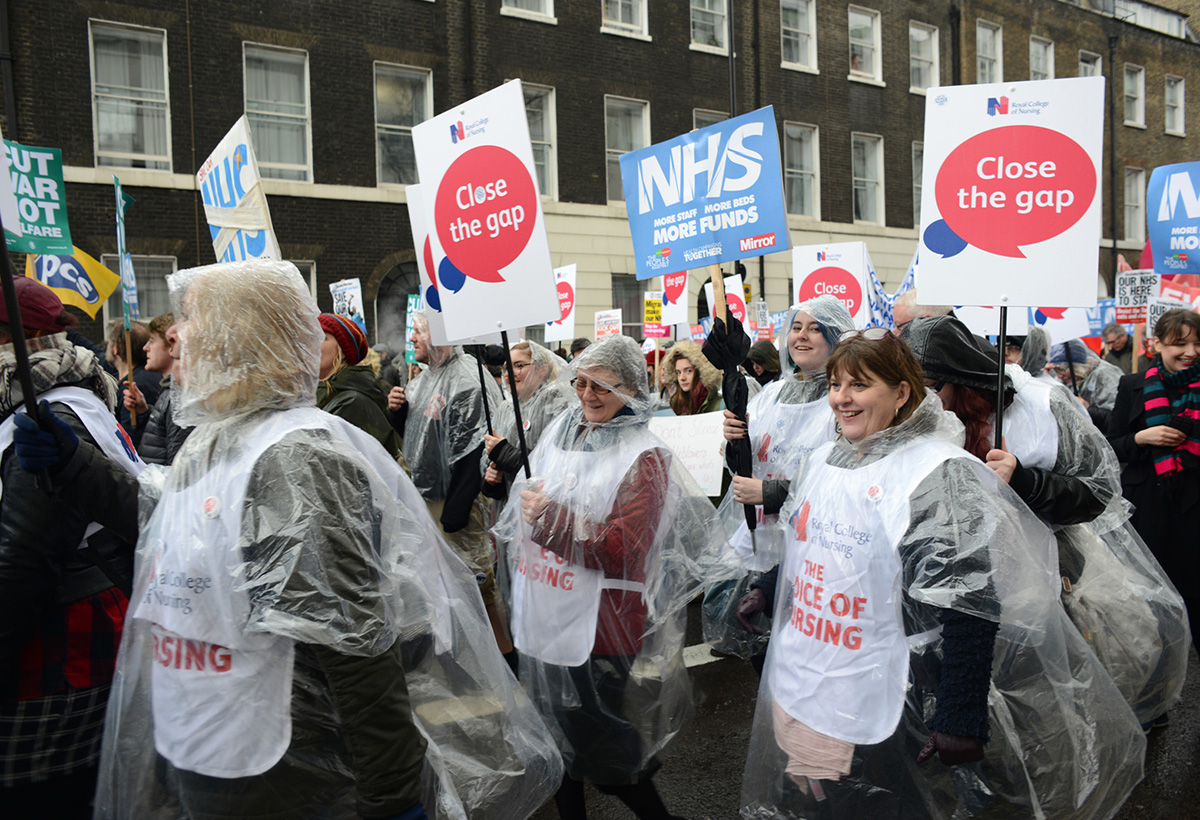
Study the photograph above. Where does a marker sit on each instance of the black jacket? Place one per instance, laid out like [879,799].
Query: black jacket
[162,437]
[148,383]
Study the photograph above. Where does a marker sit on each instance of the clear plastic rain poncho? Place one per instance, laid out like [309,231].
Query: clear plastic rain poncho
[1035,353]
[445,414]
[787,420]
[1114,589]
[288,580]
[543,398]
[1095,379]
[605,552]
[885,537]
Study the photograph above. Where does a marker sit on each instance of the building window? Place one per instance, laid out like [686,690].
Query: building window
[702,117]
[798,26]
[277,108]
[403,98]
[918,169]
[867,166]
[1089,64]
[1041,58]
[624,16]
[539,111]
[864,44]
[626,128]
[708,23]
[1135,205]
[308,270]
[922,56]
[1173,102]
[628,294]
[989,52]
[151,273]
[131,110]
[801,172]
[1135,95]
[540,7]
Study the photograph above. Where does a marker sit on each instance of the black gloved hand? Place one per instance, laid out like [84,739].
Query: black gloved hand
[952,749]
[48,446]
[752,603]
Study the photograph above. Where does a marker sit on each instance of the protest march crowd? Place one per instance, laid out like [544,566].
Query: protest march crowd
[253,579]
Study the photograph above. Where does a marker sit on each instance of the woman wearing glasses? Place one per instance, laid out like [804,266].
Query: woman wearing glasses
[915,619]
[605,550]
[543,398]
[787,420]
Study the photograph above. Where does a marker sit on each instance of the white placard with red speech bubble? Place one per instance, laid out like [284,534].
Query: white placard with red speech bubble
[1011,208]
[675,296]
[839,270]
[490,259]
[563,329]
[735,299]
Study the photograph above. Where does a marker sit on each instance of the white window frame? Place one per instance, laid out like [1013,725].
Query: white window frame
[551,115]
[998,59]
[713,115]
[918,150]
[96,153]
[309,265]
[816,172]
[875,76]
[546,16]
[113,263]
[809,63]
[1048,44]
[396,129]
[1139,99]
[612,153]
[1181,105]
[1089,58]
[638,31]
[1135,212]
[935,74]
[723,27]
[880,200]
[307,168]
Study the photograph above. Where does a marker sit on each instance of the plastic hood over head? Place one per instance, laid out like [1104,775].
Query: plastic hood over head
[1036,350]
[543,370]
[622,357]
[829,312]
[949,352]
[250,339]
[438,354]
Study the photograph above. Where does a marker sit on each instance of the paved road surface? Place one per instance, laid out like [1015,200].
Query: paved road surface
[701,775]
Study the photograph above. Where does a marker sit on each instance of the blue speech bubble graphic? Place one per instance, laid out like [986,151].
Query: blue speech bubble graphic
[943,241]
[451,277]
[432,299]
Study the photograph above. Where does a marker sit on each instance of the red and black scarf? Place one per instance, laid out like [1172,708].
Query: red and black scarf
[1160,409]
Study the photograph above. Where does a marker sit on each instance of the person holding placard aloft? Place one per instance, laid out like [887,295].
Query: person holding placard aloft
[1155,430]
[787,420]
[920,665]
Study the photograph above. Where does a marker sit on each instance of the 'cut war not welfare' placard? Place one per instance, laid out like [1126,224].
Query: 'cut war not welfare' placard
[710,196]
[1010,213]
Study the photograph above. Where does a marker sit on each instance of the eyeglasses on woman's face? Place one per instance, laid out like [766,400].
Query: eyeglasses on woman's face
[582,385]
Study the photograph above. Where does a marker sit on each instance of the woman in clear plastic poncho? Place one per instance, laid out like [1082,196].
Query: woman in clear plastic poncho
[787,420]
[543,398]
[1089,377]
[1062,467]
[605,547]
[920,666]
[300,642]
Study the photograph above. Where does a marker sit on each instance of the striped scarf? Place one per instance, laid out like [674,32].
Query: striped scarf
[1160,409]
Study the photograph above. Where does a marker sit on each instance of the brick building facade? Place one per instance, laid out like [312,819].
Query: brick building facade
[146,88]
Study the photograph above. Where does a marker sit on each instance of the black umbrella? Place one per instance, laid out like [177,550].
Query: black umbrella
[726,347]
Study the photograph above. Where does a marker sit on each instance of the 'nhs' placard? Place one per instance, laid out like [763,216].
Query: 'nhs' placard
[709,196]
[1173,216]
[234,203]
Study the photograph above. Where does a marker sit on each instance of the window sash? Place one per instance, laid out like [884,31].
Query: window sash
[1041,59]
[867,181]
[918,170]
[863,42]
[800,169]
[278,112]
[131,110]
[625,131]
[539,6]
[1089,64]
[1173,102]
[625,14]
[922,56]
[1134,95]
[402,100]
[987,49]
[151,273]
[708,23]
[795,33]
[1135,211]
[539,114]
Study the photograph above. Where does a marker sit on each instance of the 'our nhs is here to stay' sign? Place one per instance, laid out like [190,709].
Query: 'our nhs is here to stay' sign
[706,197]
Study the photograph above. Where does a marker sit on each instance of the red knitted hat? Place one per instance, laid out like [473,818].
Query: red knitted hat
[349,335]
[40,306]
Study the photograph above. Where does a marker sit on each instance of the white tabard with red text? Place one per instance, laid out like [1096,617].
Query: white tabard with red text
[839,654]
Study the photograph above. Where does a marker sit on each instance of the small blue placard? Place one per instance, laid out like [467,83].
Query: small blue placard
[1173,217]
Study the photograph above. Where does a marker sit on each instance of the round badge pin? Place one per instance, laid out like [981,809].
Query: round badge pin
[212,506]
[874,493]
